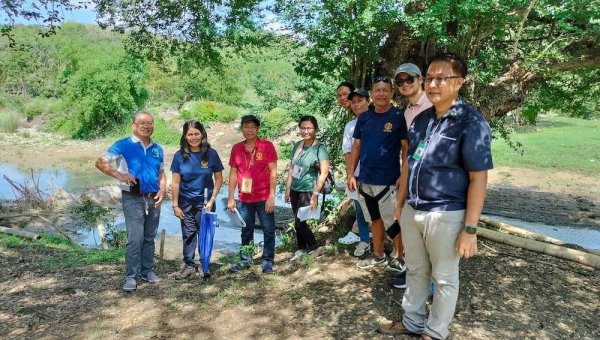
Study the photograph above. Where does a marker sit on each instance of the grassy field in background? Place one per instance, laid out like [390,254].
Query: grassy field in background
[555,144]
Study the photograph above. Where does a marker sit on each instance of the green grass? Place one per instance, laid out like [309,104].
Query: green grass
[557,144]
[71,256]
[9,120]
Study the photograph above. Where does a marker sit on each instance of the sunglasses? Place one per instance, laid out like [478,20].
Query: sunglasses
[400,81]
[383,79]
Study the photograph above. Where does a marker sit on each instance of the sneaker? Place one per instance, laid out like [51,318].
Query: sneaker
[267,267]
[395,265]
[239,267]
[185,273]
[400,281]
[351,238]
[362,248]
[130,284]
[298,254]
[151,278]
[372,261]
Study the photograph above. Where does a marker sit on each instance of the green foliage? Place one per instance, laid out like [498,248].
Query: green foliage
[164,134]
[84,257]
[248,250]
[88,214]
[43,106]
[9,120]
[208,111]
[115,237]
[10,241]
[104,93]
[285,150]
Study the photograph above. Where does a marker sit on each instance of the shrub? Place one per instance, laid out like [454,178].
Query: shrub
[163,133]
[9,121]
[226,113]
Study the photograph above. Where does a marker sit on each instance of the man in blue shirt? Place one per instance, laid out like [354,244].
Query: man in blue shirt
[380,134]
[140,172]
[443,184]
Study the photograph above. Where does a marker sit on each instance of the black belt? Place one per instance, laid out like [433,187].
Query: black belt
[150,194]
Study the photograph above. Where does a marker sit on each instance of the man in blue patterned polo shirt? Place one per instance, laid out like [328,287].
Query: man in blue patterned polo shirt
[443,184]
[140,172]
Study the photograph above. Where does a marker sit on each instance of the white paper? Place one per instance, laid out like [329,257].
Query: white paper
[236,218]
[304,213]
[352,194]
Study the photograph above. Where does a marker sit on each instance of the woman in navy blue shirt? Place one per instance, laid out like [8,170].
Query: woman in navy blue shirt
[193,169]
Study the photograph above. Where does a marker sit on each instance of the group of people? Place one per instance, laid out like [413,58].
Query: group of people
[417,175]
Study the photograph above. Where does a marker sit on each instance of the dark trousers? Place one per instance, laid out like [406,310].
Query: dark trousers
[190,226]
[306,238]
[267,221]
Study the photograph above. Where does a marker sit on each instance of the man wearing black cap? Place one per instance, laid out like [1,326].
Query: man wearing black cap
[253,165]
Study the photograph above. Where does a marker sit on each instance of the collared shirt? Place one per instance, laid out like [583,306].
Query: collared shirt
[458,143]
[348,140]
[142,162]
[254,165]
[380,135]
[196,174]
[412,110]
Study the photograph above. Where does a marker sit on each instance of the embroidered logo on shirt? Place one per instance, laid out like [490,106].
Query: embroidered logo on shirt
[204,164]
[387,127]
[259,156]
[155,153]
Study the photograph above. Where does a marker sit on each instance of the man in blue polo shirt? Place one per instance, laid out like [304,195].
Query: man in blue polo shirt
[140,172]
[380,134]
[443,184]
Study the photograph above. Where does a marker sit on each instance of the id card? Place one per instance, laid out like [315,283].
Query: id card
[419,152]
[246,187]
[296,172]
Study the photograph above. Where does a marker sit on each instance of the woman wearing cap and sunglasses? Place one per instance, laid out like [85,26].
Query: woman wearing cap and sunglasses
[309,167]
[193,169]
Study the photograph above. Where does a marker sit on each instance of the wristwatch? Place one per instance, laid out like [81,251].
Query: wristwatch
[470,229]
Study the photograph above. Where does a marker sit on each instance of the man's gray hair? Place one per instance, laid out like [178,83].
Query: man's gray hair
[142,112]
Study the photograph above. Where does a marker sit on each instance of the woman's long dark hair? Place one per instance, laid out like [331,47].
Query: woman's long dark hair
[204,146]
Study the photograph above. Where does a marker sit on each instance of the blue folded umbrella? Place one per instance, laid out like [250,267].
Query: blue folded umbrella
[206,237]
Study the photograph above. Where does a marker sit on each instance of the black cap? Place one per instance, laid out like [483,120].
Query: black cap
[360,92]
[250,118]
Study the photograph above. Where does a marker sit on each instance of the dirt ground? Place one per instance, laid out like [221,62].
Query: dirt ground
[505,292]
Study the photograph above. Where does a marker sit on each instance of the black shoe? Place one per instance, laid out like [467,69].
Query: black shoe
[238,268]
[400,281]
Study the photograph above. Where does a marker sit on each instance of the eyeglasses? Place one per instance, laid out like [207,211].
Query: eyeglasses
[439,79]
[383,79]
[401,81]
[306,129]
[144,123]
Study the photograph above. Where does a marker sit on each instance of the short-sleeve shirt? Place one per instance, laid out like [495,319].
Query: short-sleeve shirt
[196,174]
[459,143]
[307,157]
[254,165]
[380,135]
[412,110]
[143,163]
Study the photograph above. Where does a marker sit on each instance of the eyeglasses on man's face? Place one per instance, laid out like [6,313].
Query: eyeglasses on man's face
[439,79]
[150,124]
[408,80]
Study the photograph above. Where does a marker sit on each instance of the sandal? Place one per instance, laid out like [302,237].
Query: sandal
[349,239]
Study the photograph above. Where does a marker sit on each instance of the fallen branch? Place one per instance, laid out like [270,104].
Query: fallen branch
[20,233]
[60,231]
[526,233]
[541,247]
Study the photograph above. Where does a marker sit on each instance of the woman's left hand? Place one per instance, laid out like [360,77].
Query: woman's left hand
[314,200]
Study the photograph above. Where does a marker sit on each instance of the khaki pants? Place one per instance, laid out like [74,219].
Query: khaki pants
[429,242]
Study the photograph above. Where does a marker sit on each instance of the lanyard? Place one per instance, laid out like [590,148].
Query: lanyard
[248,166]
